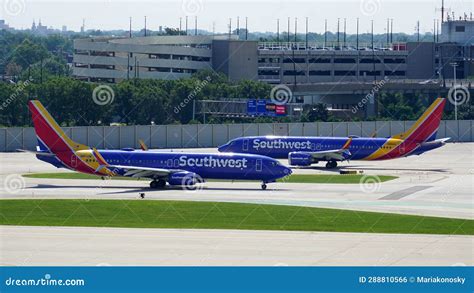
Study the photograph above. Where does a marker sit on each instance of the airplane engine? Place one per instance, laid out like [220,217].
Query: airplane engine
[300,159]
[184,178]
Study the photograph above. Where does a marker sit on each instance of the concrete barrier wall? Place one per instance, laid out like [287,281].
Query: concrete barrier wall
[210,135]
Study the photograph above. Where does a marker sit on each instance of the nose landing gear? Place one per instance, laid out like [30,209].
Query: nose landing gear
[264,186]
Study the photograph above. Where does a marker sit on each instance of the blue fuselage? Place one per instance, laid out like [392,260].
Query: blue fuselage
[279,147]
[211,166]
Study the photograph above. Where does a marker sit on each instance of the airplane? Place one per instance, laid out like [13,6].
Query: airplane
[174,168]
[305,151]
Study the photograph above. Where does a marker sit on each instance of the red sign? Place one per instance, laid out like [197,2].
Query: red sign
[280,109]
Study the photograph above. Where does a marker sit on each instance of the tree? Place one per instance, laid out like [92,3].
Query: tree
[28,53]
[13,69]
[316,112]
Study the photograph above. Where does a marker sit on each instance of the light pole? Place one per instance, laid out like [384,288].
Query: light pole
[454,65]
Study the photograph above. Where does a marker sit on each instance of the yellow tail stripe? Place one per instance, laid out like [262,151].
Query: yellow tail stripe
[420,120]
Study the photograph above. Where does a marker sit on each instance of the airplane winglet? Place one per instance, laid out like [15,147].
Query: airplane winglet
[143,146]
[347,144]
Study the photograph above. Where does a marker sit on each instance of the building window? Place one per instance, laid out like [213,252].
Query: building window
[460,28]
[344,73]
[81,65]
[200,59]
[100,53]
[180,57]
[367,60]
[319,60]
[395,73]
[159,69]
[294,60]
[269,72]
[344,60]
[394,61]
[368,73]
[100,66]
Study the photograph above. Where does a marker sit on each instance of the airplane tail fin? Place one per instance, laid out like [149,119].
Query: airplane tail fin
[49,133]
[427,125]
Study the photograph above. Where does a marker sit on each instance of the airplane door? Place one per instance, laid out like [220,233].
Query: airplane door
[74,161]
[245,145]
[258,165]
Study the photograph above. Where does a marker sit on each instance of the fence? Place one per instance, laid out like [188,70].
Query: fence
[212,135]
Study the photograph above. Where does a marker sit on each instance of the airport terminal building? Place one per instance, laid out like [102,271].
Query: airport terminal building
[171,57]
[161,57]
[336,75]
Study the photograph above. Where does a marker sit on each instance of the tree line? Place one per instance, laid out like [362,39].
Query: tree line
[36,69]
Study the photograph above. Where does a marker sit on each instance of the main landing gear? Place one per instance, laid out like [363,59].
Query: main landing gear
[331,164]
[264,186]
[158,184]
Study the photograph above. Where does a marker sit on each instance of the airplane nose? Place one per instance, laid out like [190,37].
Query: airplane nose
[287,171]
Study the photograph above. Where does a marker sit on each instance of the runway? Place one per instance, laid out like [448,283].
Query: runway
[58,246]
[438,183]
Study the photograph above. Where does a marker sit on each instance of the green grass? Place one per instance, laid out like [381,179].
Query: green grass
[217,215]
[295,178]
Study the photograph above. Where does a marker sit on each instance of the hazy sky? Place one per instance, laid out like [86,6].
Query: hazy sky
[262,14]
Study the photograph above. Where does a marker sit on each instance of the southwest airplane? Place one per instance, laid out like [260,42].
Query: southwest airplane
[185,169]
[304,151]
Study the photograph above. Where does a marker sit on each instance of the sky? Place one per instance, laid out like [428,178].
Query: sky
[262,14]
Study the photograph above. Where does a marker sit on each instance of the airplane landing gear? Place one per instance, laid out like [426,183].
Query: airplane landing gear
[264,186]
[157,184]
[331,164]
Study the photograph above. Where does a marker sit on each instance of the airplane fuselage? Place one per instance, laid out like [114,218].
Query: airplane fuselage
[360,148]
[207,166]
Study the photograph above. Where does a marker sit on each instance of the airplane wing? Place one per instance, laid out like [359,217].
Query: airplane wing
[338,155]
[36,152]
[139,172]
